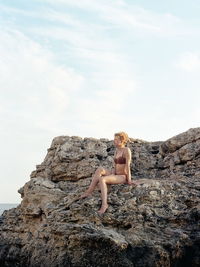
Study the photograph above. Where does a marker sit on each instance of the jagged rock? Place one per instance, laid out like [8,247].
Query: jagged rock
[153,224]
[178,141]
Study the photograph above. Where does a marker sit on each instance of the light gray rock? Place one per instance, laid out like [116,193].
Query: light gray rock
[153,224]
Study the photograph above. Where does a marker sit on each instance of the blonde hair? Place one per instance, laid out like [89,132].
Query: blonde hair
[123,137]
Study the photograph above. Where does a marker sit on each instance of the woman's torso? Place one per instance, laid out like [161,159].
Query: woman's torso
[120,162]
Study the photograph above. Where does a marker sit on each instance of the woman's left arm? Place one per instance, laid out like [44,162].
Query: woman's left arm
[127,167]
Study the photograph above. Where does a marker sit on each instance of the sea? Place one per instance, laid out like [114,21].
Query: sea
[6,206]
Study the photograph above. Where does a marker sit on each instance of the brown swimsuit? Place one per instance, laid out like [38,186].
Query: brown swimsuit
[120,160]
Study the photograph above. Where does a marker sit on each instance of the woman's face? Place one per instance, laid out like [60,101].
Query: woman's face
[117,141]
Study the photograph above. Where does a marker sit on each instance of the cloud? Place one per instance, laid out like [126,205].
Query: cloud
[189,62]
[101,113]
[33,85]
[128,16]
[55,92]
[48,96]
[36,92]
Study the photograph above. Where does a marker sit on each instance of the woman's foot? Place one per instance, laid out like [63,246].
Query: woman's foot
[103,209]
[84,195]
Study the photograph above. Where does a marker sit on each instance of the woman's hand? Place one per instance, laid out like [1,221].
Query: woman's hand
[129,182]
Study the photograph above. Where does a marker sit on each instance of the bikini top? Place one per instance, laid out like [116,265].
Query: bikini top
[120,160]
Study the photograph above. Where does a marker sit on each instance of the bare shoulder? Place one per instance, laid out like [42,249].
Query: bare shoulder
[127,149]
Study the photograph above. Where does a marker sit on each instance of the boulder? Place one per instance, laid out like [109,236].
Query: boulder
[153,224]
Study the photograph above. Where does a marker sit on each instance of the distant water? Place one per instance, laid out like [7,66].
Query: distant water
[6,207]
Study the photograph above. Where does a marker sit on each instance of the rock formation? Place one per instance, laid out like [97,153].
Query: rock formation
[154,224]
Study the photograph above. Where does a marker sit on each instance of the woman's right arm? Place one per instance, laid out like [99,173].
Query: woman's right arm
[113,171]
[113,168]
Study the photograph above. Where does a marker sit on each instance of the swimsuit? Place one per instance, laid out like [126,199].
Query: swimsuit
[120,160]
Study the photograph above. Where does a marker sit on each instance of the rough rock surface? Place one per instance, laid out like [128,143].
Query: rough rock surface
[153,224]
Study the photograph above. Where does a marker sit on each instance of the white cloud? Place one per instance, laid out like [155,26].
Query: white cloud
[106,110]
[189,61]
[129,17]
[36,92]
[47,87]
[62,17]
[31,79]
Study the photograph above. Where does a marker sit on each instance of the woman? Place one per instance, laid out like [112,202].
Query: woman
[121,173]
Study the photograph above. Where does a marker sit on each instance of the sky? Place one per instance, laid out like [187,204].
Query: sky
[91,68]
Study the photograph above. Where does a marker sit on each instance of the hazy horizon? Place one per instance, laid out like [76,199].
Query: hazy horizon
[7,206]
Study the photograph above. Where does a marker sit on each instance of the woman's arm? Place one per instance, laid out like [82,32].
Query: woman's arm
[113,168]
[128,163]
[113,165]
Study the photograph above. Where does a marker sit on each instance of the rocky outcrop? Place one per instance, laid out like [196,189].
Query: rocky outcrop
[153,224]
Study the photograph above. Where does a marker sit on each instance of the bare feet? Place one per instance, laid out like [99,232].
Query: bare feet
[134,183]
[103,209]
[84,195]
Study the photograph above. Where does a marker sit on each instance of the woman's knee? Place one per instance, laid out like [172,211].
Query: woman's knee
[100,171]
[102,180]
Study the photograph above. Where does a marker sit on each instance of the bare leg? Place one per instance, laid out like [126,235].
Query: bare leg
[110,179]
[104,193]
[98,173]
